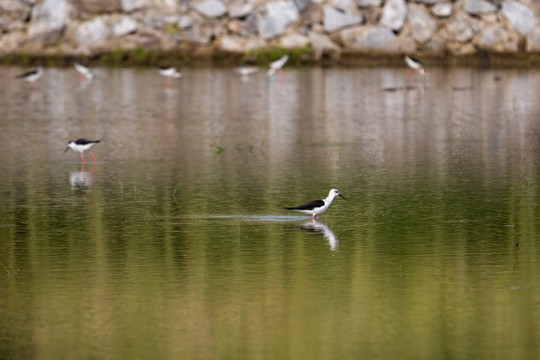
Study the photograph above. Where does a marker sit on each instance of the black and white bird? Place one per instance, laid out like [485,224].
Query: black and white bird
[277,65]
[83,70]
[415,65]
[31,76]
[316,207]
[169,72]
[246,70]
[82,145]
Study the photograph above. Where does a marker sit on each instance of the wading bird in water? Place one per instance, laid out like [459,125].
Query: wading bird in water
[416,66]
[83,71]
[31,76]
[82,145]
[316,207]
[277,65]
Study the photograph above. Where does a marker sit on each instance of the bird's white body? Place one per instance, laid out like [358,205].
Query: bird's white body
[83,70]
[247,70]
[317,207]
[80,147]
[169,72]
[277,65]
[415,65]
[32,76]
[318,227]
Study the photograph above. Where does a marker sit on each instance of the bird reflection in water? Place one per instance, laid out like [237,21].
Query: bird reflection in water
[82,179]
[318,227]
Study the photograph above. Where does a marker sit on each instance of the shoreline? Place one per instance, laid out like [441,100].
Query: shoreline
[210,57]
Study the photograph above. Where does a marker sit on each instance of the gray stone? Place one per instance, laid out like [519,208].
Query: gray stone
[250,26]
[533,40]
[255,43]
[203,33]
[479,7]
[520,16]
[375,38]
[321,44]
[48,21]
[11,42]
[279,15]
[442,10]
[185,22]
[423,26]
[293,41]
[368,3]
[394,14]
[335,19]
[92,33]
[240,10]
[492,38]
[430,2]
[14,10]
[211,9]
[460,29]
[302,5]
[99,6]
[344,5]
[132,5]
[126,26]
[233,44]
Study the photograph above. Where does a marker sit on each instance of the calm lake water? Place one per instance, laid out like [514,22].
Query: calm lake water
[175,243]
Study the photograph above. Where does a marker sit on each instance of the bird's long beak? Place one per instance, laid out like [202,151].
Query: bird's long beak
[66,149]
[342,196]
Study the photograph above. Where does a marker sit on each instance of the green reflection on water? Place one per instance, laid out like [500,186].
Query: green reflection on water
[175,253]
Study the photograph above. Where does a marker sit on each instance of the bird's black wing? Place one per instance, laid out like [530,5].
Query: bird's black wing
[308,206]
[26,74]
[85,141]
[414,59]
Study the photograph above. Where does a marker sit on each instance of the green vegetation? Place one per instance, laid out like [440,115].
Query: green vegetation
[187,55]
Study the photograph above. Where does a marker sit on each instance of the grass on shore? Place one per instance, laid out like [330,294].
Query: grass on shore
[209,56]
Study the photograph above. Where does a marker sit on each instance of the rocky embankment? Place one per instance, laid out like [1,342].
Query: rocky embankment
[321,28]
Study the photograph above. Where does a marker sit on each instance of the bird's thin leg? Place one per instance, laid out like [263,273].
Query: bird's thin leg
[93,157]
[407,74]
[82,157]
